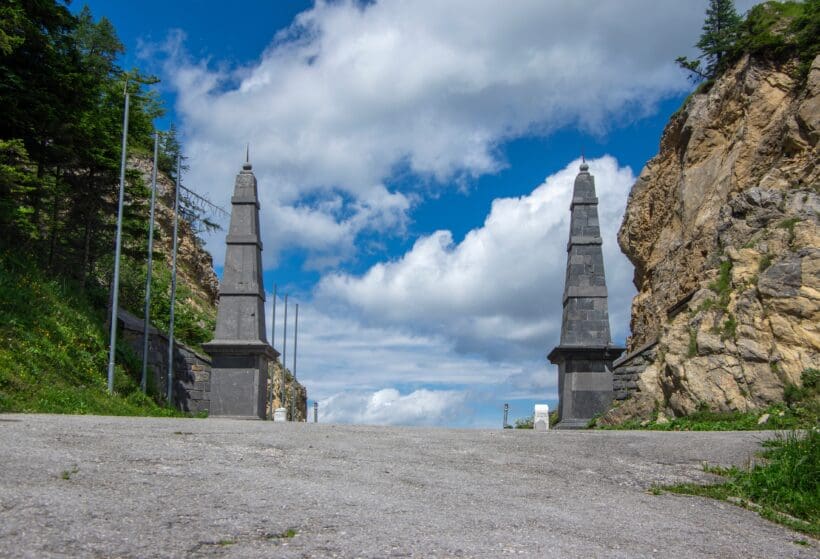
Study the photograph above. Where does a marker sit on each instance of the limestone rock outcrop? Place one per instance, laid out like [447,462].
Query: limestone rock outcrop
[293,388]
[722,227]
[194,263]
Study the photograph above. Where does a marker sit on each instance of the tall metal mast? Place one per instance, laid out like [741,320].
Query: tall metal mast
[272,338]
[147,309]
[170,392]
[293,384]
[117,249]
[284,351]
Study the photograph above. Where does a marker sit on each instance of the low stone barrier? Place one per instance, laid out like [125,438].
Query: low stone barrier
[627,369]
[192,370]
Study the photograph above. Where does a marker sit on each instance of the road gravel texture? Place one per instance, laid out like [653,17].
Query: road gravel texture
[87,486]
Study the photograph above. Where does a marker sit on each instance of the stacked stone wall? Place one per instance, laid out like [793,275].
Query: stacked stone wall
[627,370]
[192,370]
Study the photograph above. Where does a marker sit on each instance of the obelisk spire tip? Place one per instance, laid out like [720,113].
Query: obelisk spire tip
[247,165]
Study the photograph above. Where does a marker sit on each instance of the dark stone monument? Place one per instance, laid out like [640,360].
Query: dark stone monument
[585,354]
[239,351]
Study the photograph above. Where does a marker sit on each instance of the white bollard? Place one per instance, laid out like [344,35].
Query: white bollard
[541,418]
[280,414]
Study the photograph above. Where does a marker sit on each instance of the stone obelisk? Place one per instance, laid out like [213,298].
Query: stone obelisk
[585,354]
[239,351]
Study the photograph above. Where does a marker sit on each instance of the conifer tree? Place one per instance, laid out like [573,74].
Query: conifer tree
[719,34]
[720,30]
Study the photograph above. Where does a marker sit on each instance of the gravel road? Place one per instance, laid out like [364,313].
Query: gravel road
[88,486]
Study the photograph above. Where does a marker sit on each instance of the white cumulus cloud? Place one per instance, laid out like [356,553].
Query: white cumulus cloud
[389,407]
[497,292]
[354,94]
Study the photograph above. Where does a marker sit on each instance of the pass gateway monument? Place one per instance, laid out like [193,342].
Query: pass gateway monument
[585,354]
[240,351]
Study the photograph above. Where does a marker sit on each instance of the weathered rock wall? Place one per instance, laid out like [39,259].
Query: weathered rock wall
[726,216]
[293,390]
[195,267]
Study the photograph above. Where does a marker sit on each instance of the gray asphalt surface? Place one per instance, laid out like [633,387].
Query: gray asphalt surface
[86,486]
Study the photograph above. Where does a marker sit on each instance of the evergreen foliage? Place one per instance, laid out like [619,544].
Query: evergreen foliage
[62,95]
[720,31]
[773,30]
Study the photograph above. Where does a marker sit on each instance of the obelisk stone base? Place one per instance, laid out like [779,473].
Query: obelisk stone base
[239,379]
[584,383]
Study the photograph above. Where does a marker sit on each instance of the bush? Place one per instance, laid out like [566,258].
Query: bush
[524,422]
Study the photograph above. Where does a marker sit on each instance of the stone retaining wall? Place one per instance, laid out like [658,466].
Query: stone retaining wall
[627,369]
[192,371]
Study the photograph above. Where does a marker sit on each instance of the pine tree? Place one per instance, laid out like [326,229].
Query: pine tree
[720,32]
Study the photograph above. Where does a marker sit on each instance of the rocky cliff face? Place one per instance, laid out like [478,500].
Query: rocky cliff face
[722,227]
[195,267]
[293,389]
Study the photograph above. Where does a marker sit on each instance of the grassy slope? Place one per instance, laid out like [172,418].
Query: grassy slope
[53,350]
[783,487]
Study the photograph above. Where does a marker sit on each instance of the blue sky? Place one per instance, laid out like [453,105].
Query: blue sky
[415,161]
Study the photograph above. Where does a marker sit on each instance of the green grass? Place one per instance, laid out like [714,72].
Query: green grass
[527,422]
[705,420]
[783,487]
[287,534]
[66,474]
[723,284]
[788,225]
[692,350]
[800,410]
[53,350]
[729,328]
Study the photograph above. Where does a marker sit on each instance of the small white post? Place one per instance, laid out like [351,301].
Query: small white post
[541,417]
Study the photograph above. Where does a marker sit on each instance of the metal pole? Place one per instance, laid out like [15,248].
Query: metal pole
[506,413]
[315,411]
[272,338]
[293,384]
[147,311]
[170,395]
[284,351]
[117,249]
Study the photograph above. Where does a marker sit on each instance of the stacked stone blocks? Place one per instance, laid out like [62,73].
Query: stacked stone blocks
[585,354]
[240,351]
[192,371]
[628,369]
